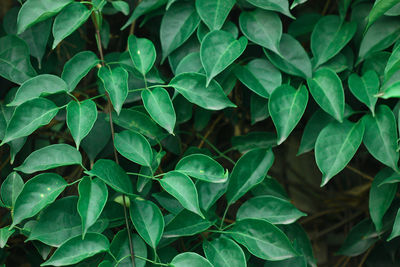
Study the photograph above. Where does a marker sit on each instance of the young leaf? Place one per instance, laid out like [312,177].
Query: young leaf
[81,116]
[11,188]
[93,196]
[190,259]
[218,50]
[142,52]
[69,20]
[222,252]
[263,28]
[186,223]
[116,84]
[36,194]
[262,239]
[5,234]
[380,136]
[50,157]
[134,147]
[147,219]
[193,87]
[249,171]
[327,90]
[77,249]
[336,145]
[365,88]
[120,249]
[286,107]
[214,12]
[159,105]
[181,187]
[202,167]
[281,6]
[41,85]
[113,175]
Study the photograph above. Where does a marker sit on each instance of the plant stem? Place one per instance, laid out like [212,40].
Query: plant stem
[156,263]
[223,217]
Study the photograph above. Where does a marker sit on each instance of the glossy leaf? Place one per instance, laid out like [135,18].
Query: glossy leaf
[115,82]
[365,88]
[190,259]
[120,249]
[249,171]
[393,63]
[214,12]
[379,8]
[11,188]
[209,193]
[281,6]
[186,223]
[286,106]
[142,52]
[5,234]
[223,252]
[134,147]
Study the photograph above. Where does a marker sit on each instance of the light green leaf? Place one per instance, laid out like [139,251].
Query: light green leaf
[5,234]
[379,8]
[159,105]
[293,59]
[183,189]
[262,239]
[50,157]
[327,90]
[249,171]
[35,11]
[142,8]
[177,25]
[93,196]
[193,87]
[253,76]
[11,188]
[120,249]
[142,52]
[273,209]
[77,249]
[281,6]
[365,88]
[186,223]
[134,147]
[214,12]
[36,194]
[69,20]
[147,219]
[218,50]
[335,147]
[116,84]
[262,27]
[78,67]
[223,252]
[286,107]
[380,136]
[190,259]
[202,167]
[396,227]
[113,175]
[81,117]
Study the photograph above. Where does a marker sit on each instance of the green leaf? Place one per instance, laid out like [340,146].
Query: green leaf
[142,8]
[78,67]
[202,167]
[253,76]
[116,84]
[177,25]
[35,11]
[120,249]
[93,196]
[159,105]
[183,189]
[365,88]
[396,227]
[121,6]
[380,136]
[286,107]
[258,108]
[263,28]
[329,36]
[11,188]
[41,85]
[134,147]
[193,87]
[381,197]
[98,137]
[186,223]
[77,249]
[223,252]
[393,64]
[262,239]
[15,63]
[5,234]
[209,193]
[327,90]
[36,194]
[69,20]
[336,145]
[218,50]
[113,175]
[190,259]
[50,157]
[28,117]
[81,116]
[190,63]
[281,6]
[142,52]
[273,209]
[379,8]
[214,12]
[147,219]
[254,140]
[293,59]
[249,171]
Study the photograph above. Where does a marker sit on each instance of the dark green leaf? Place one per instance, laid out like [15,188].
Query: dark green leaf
[379,8]
[214,12]
[365,88]
[281,6]
[11,188]
[120,249]
[254,140]
[142,8]
[223,252]
[5,234]
[209,193]
[115,82]
[396,227]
